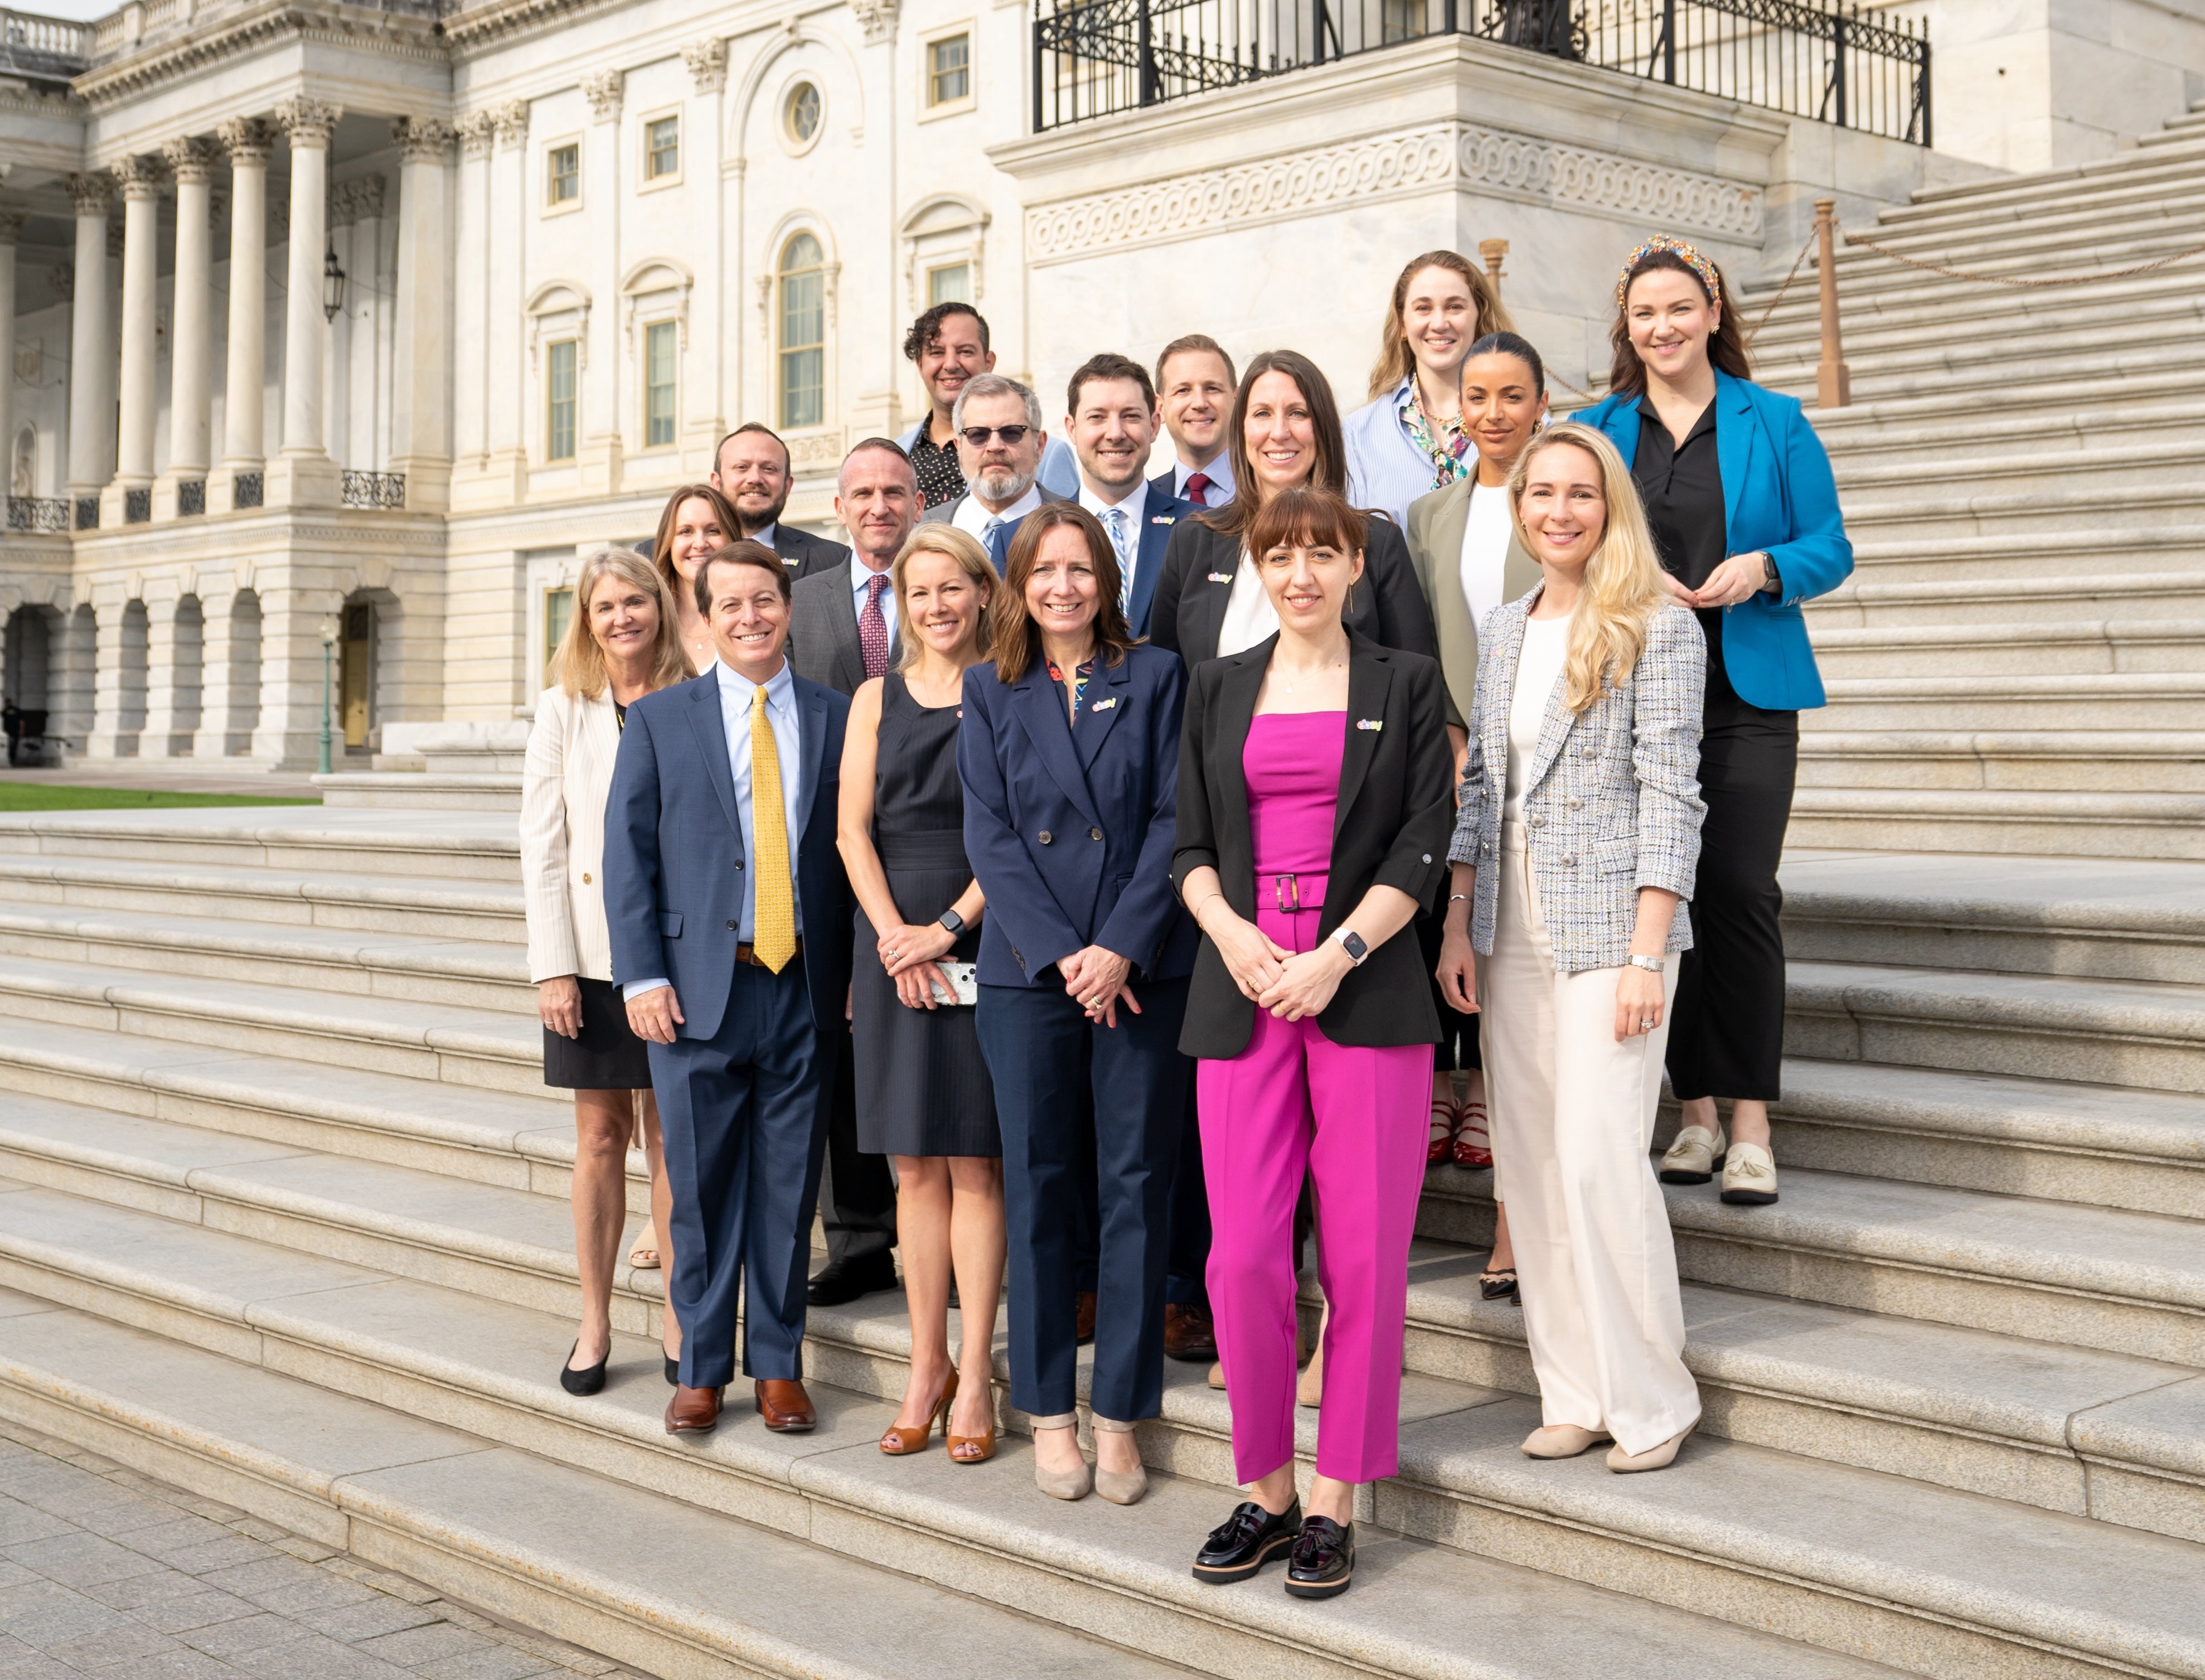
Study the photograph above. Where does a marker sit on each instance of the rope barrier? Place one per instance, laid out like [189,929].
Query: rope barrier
[1852,238]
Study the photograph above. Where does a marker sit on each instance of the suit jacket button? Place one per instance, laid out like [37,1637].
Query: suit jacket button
[1045,836]
[1094,834]
[1428,857]
[739,863]
[1571,861]
[732,929]
[585,877]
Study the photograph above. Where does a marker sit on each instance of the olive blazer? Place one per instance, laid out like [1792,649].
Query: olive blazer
[1199,563]
[1389,828]
[1436,524]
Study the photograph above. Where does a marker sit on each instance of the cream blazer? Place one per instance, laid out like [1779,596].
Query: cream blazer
[563,788]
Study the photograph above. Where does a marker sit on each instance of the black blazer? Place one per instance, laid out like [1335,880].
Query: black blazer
[804,553]
[1390,828]
[1389,606]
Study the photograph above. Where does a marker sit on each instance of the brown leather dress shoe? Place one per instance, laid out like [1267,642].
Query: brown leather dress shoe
[784,1405]
[1189,1334]
[693,1411]
[1085,1318]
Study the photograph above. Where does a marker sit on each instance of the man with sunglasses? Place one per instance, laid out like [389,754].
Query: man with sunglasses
[948,347]
[999,445]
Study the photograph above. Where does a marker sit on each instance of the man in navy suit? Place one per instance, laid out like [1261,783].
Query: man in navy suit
[730,921]
[1111,419]
[1195,384]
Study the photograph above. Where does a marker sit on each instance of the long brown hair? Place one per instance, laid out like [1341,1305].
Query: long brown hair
[1328,474]
[1396,360]
[662,547]
[1017,637]
[1626,374]
[579,666]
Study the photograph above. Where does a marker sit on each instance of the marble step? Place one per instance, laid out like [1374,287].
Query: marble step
[300,839]
[2095,382]
[1999,823]
[2013,193]
[2146,700]
[2081,763]
[1885,557]
[790,1536]
[2019,515]
[419,790]
[1859,603]
[1757,1535]
[2098,424]
[2018,326]
[1874,483]
[2072,647]
[438,908]
[470,974]
[500,1051]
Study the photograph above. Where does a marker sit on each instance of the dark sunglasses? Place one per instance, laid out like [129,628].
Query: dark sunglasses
[977,436]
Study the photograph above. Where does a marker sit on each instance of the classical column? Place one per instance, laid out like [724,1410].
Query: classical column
[11,229]
[303,475]
[513,422]
[421,396]
[600,364]
[92,354]
[244,395]
[140,180]
[191,326]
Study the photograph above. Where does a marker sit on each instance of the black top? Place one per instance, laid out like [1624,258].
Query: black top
[1387,605]
[1681,484]
[919,803]
[941,477]
[1390,828]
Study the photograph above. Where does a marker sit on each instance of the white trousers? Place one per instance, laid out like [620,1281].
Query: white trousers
[1572,1115]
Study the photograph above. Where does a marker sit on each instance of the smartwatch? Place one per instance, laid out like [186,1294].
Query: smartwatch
[952,923]
[1351,943]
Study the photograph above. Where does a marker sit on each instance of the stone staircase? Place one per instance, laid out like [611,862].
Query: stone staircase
[2018,662]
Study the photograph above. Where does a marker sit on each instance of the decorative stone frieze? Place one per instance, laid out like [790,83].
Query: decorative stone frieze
[92,194]
[359,200]
[476,131]
[510,120]
[604,90]
[248,140]
[308,122]
[708,63]
[191,159]
[878,18]
[423,142]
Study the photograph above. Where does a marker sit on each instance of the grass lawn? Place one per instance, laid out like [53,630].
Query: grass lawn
[33,797]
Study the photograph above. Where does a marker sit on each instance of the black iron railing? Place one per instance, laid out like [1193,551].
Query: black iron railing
[37,513]
[87,513]
[137,506]
[374,490]
[1815,58]
[191,497]
[247,490]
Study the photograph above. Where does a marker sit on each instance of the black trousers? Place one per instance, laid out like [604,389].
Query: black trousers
[1457,1050]
[1726,1032]
[856,1192]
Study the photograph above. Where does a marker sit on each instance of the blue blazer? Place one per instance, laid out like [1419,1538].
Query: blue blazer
[673,852]
[1070,837]
[1778,495]
[1164,512]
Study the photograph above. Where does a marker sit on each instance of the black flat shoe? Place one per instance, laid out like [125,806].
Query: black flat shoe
[1244,1542]
[1498,1285]
[840,1282]
[673,1370]
[586,1381]
[1324,1559]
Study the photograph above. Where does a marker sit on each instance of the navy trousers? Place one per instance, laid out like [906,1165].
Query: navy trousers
[743,1114]
[1046,1061]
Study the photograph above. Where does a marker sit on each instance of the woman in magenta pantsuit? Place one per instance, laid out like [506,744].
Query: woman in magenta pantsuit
[1314,809]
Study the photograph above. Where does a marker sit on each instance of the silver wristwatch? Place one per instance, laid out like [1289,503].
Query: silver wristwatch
[1652,965]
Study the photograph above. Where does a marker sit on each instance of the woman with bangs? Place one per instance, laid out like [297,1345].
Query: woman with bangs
[696,519]
[1574,852]
[1313,804]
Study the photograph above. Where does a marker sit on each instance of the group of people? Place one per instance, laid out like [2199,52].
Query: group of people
[1111,884]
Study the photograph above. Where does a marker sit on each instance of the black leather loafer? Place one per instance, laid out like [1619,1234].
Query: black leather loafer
[1244,1542]
[1323,1561]
[842,1282]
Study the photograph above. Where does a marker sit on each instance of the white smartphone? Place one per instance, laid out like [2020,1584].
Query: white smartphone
[964,986]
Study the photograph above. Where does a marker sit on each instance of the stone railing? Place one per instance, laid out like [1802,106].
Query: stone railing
[373,490]
[44,48]
[39,513]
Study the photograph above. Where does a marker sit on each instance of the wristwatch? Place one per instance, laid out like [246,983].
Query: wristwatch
[1652,965]
[1772,581]
[952,922]
[1351,943]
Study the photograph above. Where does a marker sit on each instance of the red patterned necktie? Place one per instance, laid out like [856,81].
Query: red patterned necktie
[873,626]
[1197,489]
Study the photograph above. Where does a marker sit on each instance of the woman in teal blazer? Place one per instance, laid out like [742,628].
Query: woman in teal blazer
[1745,511]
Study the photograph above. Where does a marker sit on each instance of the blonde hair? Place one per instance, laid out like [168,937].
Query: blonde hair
[1623,588]
[579,664]
[963,547]
[1396,360]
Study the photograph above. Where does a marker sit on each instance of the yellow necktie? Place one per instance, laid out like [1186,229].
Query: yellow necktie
[773,936]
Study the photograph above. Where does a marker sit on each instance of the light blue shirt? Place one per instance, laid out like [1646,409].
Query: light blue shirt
[861,580]
[738,695]
[1126,539]
[1220,478]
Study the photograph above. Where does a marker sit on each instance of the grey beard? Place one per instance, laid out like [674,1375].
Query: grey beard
[1001,484]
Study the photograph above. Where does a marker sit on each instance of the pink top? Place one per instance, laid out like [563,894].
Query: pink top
[1292,765]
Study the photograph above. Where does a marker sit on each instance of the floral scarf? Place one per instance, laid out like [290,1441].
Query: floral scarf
[1453,453]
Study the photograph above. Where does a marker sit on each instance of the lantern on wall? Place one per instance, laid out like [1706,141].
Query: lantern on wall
[333,284]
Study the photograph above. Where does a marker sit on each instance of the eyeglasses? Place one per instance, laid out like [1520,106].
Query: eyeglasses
[977,436]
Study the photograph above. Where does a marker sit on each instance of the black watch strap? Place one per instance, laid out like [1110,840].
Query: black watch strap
[954,923]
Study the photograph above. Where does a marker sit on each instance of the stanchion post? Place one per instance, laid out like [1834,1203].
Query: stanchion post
[1493,250]
[1832,383]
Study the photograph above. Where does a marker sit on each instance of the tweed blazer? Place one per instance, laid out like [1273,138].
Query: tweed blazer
[1612,796]
[563,783]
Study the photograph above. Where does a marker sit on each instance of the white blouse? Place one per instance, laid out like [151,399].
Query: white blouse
[1250,617]
[1538,671]
[1485,538]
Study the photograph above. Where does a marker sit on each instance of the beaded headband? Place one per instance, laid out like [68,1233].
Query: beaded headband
[1676,247]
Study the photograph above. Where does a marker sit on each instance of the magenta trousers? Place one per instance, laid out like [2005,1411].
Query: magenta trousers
[1355,1118]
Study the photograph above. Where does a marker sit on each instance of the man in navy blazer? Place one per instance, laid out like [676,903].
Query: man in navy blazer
[1111,419]
[736,1042]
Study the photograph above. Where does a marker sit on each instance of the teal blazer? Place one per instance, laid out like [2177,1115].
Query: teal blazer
[1780,495]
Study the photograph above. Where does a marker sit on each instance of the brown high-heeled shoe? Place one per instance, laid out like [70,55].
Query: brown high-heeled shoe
[899,1441]
[970,1449]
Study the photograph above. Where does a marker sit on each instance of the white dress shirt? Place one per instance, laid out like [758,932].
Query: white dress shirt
[1221,480]
[1485,538]
[971,517]
[1250,617]
[738,695]
[1133,508]
[861,579]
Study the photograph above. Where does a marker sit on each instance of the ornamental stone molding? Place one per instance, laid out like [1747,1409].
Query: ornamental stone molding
[359,200]
[510,121]
[1451,155]
[309,122]
[92,194]
[423,142]
[139,177]
[248,139]
[878,18]
[708,63]
[604,90]
[191,159]
[476,131]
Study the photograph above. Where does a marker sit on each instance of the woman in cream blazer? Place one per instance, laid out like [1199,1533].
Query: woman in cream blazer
[624,641]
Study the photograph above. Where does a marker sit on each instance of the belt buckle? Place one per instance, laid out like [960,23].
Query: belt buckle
[1287,892]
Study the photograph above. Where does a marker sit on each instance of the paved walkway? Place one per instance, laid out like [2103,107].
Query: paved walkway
[169,776]
[106,1572]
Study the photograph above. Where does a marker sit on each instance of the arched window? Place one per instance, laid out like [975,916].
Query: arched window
[803,360]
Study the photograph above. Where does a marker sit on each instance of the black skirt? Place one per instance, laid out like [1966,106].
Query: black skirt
[607,1056]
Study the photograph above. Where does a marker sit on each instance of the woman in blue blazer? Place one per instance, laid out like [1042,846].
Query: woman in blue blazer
[1069,756]
[1744,512]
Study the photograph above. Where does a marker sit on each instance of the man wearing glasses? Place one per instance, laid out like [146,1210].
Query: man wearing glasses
[999,446]
[948,346]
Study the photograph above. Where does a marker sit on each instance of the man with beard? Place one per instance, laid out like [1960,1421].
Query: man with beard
[751,468]
[999,445]
[948,346]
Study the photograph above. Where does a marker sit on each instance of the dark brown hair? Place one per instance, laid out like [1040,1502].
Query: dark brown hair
[1396,360]
[1017,637]
[662,546]
[1328,474]
[928,328]
[743,553]
[1189,343]
[787,460]
[1626,374]
[1307,519]
[1108,366]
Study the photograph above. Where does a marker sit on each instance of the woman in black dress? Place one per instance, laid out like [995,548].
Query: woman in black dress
[924,1095]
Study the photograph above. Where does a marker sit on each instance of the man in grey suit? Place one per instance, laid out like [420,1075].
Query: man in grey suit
[1000,442]
[751,468]
[843,632]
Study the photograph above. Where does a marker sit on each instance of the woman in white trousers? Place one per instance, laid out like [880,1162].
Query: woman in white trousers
[1574,851]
